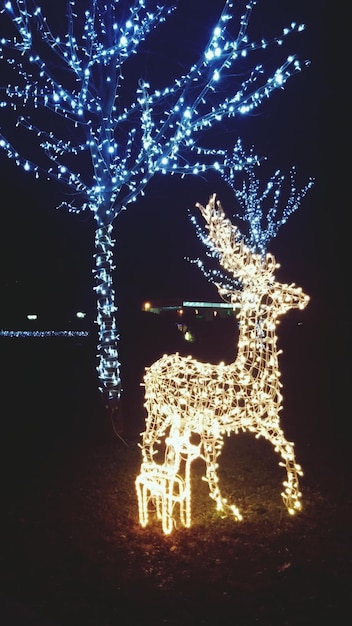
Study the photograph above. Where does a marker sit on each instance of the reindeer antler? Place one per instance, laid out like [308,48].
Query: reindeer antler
[225,237]
[228,241]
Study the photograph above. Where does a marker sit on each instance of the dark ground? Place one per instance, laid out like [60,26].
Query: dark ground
[71,546]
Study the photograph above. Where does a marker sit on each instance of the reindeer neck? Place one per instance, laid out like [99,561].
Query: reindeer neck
[257,344]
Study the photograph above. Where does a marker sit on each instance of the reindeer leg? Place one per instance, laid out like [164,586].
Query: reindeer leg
[291,495]
[142,501]
[156,427]
[212,447]
[186,506]
[150,438]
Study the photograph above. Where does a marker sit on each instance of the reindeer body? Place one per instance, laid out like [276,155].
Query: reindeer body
[185,397]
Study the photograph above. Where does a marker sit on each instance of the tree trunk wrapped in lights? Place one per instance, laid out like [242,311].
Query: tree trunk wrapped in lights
[185,398]
[108,367]
[104,137]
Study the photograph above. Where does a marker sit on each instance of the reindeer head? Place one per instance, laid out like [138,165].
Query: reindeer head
[254,271]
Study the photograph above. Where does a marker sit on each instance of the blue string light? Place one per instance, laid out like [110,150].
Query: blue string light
[40,334]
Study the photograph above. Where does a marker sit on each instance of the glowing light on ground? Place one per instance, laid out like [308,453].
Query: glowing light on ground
[43,333]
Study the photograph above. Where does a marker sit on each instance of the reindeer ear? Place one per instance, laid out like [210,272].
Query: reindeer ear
[270,264]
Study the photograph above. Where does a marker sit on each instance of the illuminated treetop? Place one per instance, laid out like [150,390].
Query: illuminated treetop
[264,208]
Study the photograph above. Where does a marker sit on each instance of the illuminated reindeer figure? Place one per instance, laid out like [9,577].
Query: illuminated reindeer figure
[185,397]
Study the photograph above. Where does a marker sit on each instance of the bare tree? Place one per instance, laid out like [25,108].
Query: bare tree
[104,137]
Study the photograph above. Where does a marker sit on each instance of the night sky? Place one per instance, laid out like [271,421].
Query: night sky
[46,255]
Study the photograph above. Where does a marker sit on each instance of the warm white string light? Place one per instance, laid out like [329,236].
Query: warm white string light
[69,98]
[186,398]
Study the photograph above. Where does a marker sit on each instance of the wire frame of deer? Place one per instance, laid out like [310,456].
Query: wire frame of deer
[184,397]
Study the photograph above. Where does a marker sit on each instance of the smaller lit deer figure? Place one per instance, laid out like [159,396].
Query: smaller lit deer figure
[191,405]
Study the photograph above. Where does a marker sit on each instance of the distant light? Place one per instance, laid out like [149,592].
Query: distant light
[32,316]
[43,333]
[80,314]
[188,335]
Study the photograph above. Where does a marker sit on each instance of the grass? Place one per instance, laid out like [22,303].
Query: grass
[73,551]
[71,547]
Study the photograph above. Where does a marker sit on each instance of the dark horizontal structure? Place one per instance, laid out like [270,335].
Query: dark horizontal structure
[199,309]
